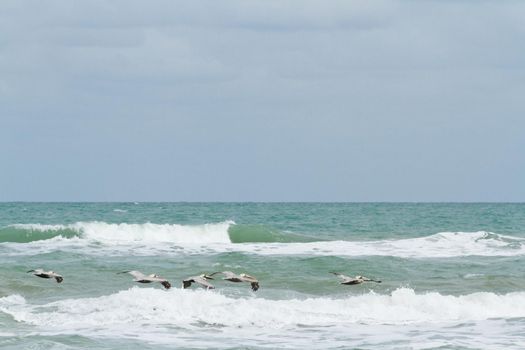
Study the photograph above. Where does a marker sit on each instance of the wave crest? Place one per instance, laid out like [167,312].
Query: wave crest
[439,245]
[166,239]
[184,308]
[120,233]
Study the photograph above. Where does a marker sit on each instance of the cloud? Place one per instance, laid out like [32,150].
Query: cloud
[293,94]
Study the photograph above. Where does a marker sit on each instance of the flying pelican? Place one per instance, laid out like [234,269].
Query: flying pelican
[232,277]
[47,274]
[142,278]
[201,279]
[353,280]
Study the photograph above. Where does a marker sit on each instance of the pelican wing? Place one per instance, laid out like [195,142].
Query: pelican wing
[337,274]
[344,278]
[56,276]
[341,276]
[136,274]
[248,278]
[165,284]
[255,286]
[366,279]
[187,283]
[203,282]
[229,274]
[155,278]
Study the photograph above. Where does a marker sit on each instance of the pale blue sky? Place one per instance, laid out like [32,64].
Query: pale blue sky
[262,100]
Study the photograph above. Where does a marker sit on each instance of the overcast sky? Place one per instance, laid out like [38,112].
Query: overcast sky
[262,100]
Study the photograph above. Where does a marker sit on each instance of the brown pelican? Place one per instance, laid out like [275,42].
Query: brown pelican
[47,274]
[232,277]
[142,278]
[354,280]
[201,279]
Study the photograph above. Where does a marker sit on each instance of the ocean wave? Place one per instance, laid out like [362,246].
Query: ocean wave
[222,232]
[190,308]
[440,245]
[264,234]
[119,233]
[215,238]
[209,319]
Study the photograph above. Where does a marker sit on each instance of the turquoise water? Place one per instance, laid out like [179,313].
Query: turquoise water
[453,275]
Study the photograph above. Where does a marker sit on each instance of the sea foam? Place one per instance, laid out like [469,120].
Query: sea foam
[166,239]
[145,233]
[191,308]
[440,245]
[209,319]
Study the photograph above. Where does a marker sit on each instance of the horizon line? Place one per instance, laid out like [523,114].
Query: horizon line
[269,202]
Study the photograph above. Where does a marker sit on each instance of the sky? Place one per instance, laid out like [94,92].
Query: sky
[345,101]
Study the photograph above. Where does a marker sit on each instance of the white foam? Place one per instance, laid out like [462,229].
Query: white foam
[440,245]
[40,227]
[199,318]
[11,300]
[185,308]
[144,233]
[98,238]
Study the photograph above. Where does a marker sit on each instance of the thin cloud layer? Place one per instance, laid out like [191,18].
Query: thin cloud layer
[269,100]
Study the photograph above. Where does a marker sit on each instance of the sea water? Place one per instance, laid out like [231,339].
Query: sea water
[453,275]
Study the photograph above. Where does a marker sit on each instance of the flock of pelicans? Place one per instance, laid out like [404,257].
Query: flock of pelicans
[202,279]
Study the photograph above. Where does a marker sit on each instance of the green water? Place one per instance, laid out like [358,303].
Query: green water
[453,275]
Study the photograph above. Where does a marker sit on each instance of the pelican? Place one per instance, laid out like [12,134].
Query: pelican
[142,278]
[47,274]
[354,280]
[232,277]
[201,279]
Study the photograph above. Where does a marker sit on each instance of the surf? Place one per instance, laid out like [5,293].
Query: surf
[183,308]
[227,236]
[119,232]
[440,245]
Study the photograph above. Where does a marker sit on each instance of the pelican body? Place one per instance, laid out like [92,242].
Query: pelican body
[47,274]
[354,280]
[142,278]
[232,277]
[201,280]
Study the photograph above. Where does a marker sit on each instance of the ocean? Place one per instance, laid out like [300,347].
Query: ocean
[453,275]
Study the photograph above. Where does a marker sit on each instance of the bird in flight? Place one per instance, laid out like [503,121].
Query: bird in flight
[142,278]
[47,274]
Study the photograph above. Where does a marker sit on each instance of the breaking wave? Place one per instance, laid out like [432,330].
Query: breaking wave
[223,232]
[120,233]
[440,245]
[149,238]
[190,308]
